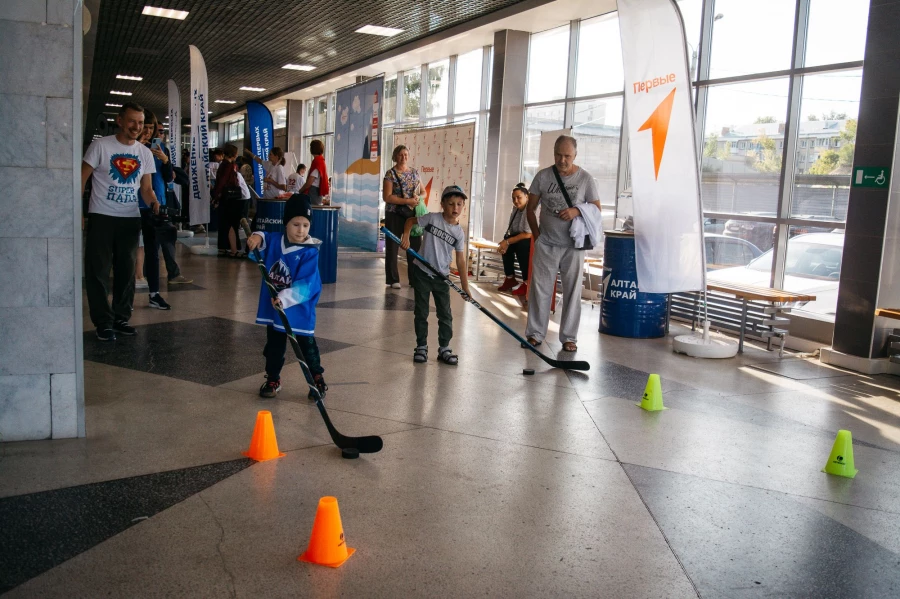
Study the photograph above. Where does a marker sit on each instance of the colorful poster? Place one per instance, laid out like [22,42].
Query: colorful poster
[668,227]
[444,156]
[199,205]
[356,177]
[259,121]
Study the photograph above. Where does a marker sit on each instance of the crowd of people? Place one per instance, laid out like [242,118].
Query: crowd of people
[132,176]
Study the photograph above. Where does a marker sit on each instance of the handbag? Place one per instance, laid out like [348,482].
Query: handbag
[587,238]
[404,211]
[232,191]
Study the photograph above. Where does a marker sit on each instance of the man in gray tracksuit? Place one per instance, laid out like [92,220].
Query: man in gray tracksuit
[554,248]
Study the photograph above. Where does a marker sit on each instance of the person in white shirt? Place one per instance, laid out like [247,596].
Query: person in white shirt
[276,181]
[296,180]
[119,166]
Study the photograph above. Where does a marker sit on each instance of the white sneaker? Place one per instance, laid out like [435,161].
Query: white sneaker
[395,286]
[141,284]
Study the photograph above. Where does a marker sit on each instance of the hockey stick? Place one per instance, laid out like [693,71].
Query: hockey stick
[370,444]
[564,364]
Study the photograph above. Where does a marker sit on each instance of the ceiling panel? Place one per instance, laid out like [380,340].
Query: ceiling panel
[245,43]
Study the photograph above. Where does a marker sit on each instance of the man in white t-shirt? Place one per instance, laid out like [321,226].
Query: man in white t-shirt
[119,166]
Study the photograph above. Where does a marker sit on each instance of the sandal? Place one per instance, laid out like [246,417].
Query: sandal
[447,356]
[531,341]
[420,355]
[570,346]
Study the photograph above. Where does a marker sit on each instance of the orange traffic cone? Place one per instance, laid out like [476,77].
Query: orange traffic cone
[263,445]
[327,546]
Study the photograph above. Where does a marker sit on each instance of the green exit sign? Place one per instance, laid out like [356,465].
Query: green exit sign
[871,176]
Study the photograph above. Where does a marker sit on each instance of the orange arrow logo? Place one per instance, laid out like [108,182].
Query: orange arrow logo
[658,123]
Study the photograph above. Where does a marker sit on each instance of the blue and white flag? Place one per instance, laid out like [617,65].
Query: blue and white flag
[261,131]
[175,130]
[199,205]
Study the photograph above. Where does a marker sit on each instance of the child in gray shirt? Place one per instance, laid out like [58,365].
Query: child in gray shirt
[442,236]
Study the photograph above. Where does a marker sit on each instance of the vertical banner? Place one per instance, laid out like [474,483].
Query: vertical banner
[665,179]
[199,205]
[261,132]
[356,180]
[443,156]
[175,130]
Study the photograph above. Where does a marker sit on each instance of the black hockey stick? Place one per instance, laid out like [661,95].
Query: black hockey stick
[370,444]
[564,364]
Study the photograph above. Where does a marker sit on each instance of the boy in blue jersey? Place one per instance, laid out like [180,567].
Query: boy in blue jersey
[292,261]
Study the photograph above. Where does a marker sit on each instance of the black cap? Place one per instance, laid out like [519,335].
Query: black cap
[297,205]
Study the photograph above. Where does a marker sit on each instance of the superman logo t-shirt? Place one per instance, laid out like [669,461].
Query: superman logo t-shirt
[118,169]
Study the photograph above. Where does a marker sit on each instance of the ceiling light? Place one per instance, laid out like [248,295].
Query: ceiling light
[224,101]
[299,67]
[111,120]
[166,13]
[376,30]
[114,105]
[129,77]
[253,89]
[117,93]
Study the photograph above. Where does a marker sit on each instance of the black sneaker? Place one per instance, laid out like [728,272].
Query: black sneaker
[106,335]
[156,301]
[270,388]
[123,328]
[319,380]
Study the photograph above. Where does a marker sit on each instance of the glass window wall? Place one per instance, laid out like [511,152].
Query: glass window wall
[599,64]
[467,97]
[548,65]
[751,37]
[438,89]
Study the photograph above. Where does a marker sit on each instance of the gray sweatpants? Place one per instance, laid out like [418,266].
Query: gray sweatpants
[548,260]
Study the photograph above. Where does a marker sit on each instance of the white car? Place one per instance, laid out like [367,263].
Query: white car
[813,266]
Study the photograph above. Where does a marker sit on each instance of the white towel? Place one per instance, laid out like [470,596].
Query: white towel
[589,223]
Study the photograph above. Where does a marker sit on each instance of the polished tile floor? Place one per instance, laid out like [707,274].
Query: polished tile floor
[490,483]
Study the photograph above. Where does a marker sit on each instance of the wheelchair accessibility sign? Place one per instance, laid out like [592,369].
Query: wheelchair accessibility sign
[871,176]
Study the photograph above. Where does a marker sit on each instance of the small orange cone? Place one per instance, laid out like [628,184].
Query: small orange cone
[327,546]
[263,445]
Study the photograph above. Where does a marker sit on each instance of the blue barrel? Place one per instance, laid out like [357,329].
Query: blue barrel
[325,227]
[269,214]
[626,312]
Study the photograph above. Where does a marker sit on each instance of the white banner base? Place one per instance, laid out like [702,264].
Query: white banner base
[183,234]
[702,345]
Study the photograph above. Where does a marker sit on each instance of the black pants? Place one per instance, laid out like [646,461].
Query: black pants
[276,345]
[154,239]
[425,286]
[111,243]
[395,224]
[521,251]
[230,214]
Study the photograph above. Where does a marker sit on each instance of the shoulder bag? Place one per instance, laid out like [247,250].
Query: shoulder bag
[562,188]
[404,211]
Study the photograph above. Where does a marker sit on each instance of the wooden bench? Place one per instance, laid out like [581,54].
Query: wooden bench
[746,309]
[888,313]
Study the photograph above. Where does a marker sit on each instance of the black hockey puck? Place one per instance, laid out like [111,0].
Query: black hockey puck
[349,453]
[528,371]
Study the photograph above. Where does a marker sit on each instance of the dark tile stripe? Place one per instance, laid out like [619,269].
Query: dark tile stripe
[42,530]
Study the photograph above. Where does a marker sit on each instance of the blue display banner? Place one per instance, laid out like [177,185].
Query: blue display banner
[261,132]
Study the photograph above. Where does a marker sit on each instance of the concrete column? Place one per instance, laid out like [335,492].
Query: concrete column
[504,151]
[295,128]
[41,358]
[863,270]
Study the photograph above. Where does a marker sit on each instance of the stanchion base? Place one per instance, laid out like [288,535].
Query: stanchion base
[696,347]
[184,234]
[202,250]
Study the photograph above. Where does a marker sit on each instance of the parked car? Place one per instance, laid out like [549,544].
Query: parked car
[723,252]
[714,225]
[762,235]
[813,266]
